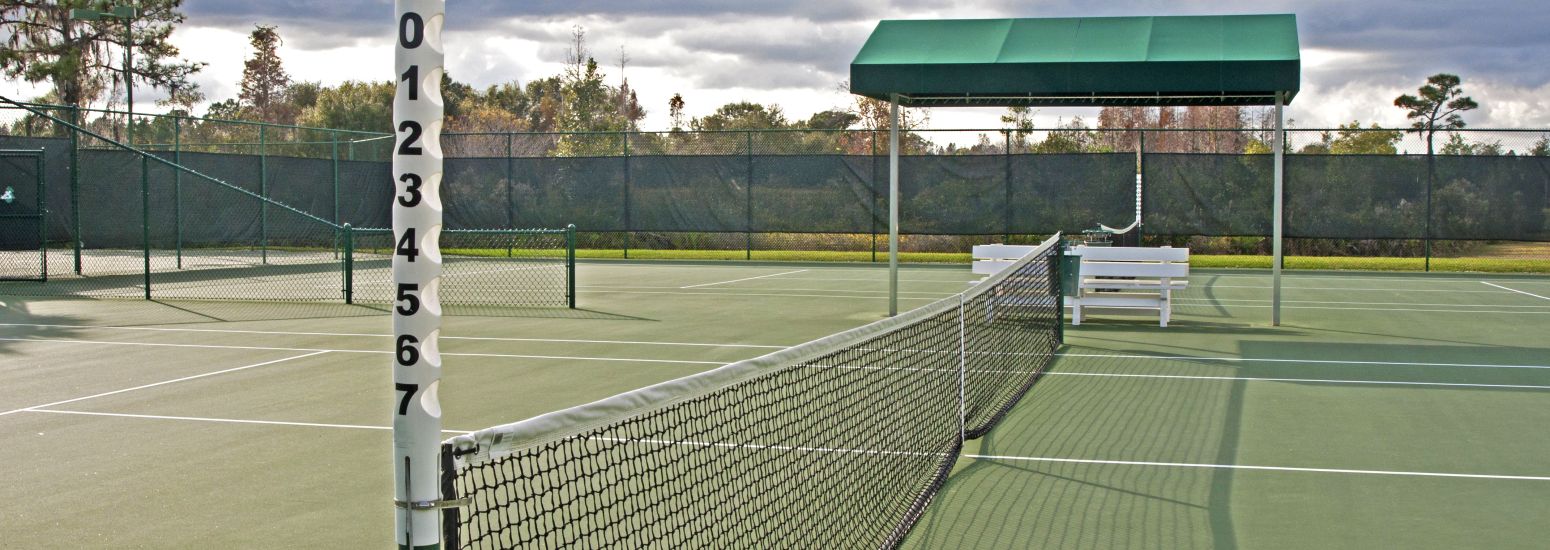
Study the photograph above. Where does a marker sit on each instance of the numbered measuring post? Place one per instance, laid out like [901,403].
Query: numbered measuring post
[417,171]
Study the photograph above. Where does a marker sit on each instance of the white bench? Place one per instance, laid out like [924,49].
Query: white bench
[1144,277]
[990,259]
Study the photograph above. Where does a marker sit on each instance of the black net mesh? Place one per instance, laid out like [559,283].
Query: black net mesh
[837,443]
[480,269]
[1323,199]
[689,193]
[1207,194]
[811,194]
[1491,197]
[1071,192]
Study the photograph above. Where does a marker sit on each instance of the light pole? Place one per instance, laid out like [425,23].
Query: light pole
[127,14]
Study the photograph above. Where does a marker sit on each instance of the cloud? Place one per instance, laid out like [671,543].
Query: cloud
[1357,56]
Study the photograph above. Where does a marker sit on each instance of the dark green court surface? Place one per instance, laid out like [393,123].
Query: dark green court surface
[1388,411]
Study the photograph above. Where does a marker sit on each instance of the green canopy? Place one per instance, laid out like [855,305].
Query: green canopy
[1083,61]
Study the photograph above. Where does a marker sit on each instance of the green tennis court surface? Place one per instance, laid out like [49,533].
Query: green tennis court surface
[1388,411]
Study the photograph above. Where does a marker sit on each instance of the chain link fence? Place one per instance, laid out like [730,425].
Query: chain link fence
[822,195]
[270,222]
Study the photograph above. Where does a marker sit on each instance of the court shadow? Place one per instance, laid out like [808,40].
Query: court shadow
[20,319]
[1021,494]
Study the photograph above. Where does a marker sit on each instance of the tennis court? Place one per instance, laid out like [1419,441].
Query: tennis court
[1388,411]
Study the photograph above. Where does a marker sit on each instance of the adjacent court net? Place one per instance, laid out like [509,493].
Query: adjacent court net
[495,267]
[837,443]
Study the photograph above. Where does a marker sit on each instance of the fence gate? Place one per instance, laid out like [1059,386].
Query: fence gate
[23,252]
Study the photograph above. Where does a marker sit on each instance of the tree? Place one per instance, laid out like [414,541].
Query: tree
[264,80]
[353,105]
[1070,137]
[1541,147]
[832,119]
[1439,107]
[675,111]
[742,115]
[1351,139]
[83,60]
[1020,121]
[1457,145]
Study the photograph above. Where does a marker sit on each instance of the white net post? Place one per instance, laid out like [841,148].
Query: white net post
[417,171]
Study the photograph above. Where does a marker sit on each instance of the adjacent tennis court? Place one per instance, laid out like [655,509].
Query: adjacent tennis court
[1388,410]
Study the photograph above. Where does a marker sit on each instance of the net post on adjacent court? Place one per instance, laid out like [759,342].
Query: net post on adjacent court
[570,265]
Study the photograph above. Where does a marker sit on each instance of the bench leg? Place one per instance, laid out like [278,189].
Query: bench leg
[1076,310]
[1165,306]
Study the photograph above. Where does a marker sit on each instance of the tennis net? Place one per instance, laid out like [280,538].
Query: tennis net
[480,267]
[839,443]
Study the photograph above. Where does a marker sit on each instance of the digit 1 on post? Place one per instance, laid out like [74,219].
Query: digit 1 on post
[417,171]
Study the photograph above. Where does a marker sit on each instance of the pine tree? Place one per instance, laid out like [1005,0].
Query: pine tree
[264,80]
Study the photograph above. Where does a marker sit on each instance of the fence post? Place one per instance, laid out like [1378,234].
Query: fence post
[748,201]
[1057,273]
[41,184]
[627,232]
[75,185]
[349,264]
[334,156]
[570,264]
[1431,174]
[177,186]
[511,207]
[1006,208]
[263,193]
[872,143]
[145,220]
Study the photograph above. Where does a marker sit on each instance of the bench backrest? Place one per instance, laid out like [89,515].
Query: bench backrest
[1133,253]
[1125,261]
[1001,251]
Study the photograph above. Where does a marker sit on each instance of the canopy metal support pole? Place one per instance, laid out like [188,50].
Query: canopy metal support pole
[893,205]
[1278,144]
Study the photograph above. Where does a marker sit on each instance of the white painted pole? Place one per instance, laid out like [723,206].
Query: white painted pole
[893,205]
[1279,145]
[417,171]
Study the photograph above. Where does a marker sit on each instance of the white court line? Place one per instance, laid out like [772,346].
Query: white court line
[1353,289]
[1305,380]
[1547,312]
[1309,361]
[624,342]
[227,420]
[1419,277]
[720,294]
[1515,290]
[1263,468]
[489,338]
[744,279]
[1210,300]
[444,354]
[881,280]
[849,290]
[163,383]
[881,267]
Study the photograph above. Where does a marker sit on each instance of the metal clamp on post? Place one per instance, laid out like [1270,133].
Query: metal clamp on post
[432,504]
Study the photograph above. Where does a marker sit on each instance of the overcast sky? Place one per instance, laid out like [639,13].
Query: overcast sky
[1356,55]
